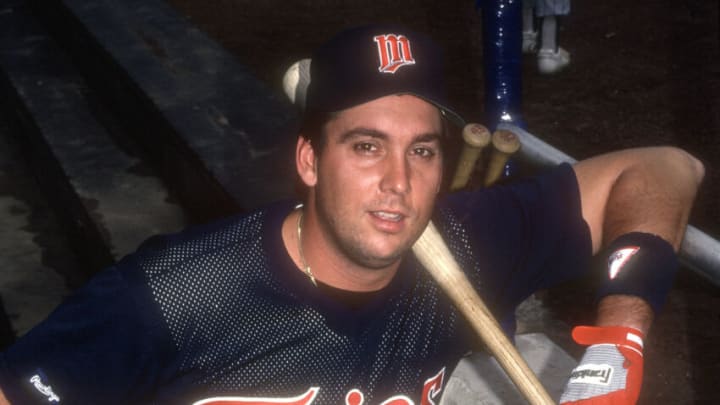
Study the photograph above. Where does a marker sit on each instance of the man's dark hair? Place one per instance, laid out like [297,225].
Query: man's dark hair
[313,128]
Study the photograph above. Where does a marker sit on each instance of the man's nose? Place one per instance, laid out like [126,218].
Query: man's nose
[396,178]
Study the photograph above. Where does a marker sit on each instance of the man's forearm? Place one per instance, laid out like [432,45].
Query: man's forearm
[636,203]
[624,310]
[650,191]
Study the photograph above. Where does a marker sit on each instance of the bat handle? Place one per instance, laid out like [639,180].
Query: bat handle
[434,255]
[476,137]
[505,143]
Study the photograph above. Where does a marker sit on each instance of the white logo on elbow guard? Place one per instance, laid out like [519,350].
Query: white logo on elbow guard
[44,389]
[619,258]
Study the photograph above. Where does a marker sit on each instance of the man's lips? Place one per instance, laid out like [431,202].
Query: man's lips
[388,221]
[388,215]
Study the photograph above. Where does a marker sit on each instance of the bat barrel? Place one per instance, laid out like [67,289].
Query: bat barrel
[431,251]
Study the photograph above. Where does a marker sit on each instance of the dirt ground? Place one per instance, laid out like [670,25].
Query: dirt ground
[643,73]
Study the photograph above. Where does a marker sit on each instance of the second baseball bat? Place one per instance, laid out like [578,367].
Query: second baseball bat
[505,143]
[475,138]
[431,251]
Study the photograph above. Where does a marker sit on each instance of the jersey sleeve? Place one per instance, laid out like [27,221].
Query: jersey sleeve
[104,344]
[526,236]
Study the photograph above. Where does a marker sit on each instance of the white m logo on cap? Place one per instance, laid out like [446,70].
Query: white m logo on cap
[394,51]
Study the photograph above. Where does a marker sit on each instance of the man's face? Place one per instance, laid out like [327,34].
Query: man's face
[377,178]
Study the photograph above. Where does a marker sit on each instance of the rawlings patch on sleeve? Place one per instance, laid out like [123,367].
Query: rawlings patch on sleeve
[38,381]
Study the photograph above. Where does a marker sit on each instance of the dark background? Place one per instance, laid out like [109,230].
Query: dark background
[642,73]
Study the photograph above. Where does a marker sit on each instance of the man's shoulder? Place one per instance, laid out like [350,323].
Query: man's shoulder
[233,232]
[512,193]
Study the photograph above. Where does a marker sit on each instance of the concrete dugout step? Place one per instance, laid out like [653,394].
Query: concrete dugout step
[107,199]
[37,267]
[222,139]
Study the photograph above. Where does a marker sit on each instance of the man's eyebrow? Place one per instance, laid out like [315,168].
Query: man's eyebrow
[428,137]
[362,131]
[374,133]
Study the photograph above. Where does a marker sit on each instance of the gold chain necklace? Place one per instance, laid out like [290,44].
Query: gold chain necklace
[306,268]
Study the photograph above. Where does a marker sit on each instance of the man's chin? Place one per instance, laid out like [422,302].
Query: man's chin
[379,264]
[381,260]
[380,251]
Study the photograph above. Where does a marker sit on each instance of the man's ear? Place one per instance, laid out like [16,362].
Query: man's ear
[306,161]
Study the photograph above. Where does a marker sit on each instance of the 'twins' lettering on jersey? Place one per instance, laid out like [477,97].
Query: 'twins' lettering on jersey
[431,392]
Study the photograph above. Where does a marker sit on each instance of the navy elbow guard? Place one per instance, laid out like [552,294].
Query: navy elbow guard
[640,264]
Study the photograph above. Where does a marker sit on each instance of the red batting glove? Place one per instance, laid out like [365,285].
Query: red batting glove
[610,371]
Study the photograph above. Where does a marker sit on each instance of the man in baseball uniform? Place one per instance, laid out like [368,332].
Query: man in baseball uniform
[320,301]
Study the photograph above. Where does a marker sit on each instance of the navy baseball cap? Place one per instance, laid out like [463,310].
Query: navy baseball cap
[373,61]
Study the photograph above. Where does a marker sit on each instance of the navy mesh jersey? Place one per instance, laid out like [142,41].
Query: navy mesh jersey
[220,312]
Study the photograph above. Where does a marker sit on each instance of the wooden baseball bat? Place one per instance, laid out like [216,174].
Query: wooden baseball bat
[295,82]
[434,255]
[505,143]
[476,137]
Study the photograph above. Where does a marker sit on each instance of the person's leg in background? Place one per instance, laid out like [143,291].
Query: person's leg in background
[529,34]
[551,57]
